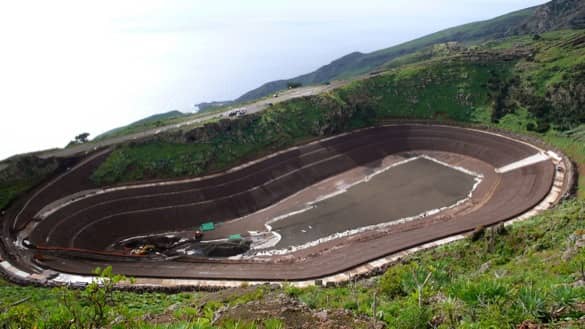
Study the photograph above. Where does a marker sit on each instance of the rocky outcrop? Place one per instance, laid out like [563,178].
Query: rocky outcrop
[555,15]
[567,99]
[491,56]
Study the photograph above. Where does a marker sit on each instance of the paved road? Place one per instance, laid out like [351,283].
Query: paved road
[97,221]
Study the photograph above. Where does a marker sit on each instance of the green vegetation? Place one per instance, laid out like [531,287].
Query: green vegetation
[21,175]
[217,146]
[529,272]
[10,190]
[293,85]
[137,162]
[99,305]
[433,90]
[151,122]
[79,139]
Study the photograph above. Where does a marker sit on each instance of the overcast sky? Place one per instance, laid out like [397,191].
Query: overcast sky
[68,67]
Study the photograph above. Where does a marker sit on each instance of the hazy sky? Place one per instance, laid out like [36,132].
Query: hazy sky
[72,66]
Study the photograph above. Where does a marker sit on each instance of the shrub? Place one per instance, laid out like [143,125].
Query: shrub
[391,283]
[481,291]
[292,291]
[93,306]
[563,298]
[412,316]
[532,302]
[21,316]
[273,323]
[350,305]
[478,233]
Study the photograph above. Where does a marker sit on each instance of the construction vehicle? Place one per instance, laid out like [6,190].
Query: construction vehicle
[198,235]
[143,250]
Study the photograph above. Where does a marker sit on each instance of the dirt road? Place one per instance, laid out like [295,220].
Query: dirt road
[250,108]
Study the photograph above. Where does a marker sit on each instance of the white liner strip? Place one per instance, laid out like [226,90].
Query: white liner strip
[58,204]
[536,158]
[7,267]
[268,243]
[73,278]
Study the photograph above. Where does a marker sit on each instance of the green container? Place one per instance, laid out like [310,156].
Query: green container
[207,227]
[235,237]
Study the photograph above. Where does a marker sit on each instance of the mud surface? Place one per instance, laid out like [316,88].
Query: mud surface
[404,190]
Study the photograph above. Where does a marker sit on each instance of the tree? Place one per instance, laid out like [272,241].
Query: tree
[293,85]
[81,138]
[94,306]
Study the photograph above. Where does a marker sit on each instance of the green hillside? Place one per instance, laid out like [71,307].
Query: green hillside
[358,63]
[152,121]
[555,15]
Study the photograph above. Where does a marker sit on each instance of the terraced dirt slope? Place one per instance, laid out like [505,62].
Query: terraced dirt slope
[102,217]
[100,220]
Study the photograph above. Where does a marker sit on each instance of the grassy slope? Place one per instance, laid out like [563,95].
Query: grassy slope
[150,122]
[272,130]
[22,174]
[11,189]
[170,118]
[555,63]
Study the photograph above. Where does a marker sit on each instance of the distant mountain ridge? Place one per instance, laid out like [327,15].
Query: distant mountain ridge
[554,15]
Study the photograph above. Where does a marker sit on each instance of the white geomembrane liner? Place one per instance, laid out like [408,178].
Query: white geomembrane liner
[254,251]
[536,158]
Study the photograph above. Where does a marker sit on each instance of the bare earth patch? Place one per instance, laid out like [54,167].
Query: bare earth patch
[294,314]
